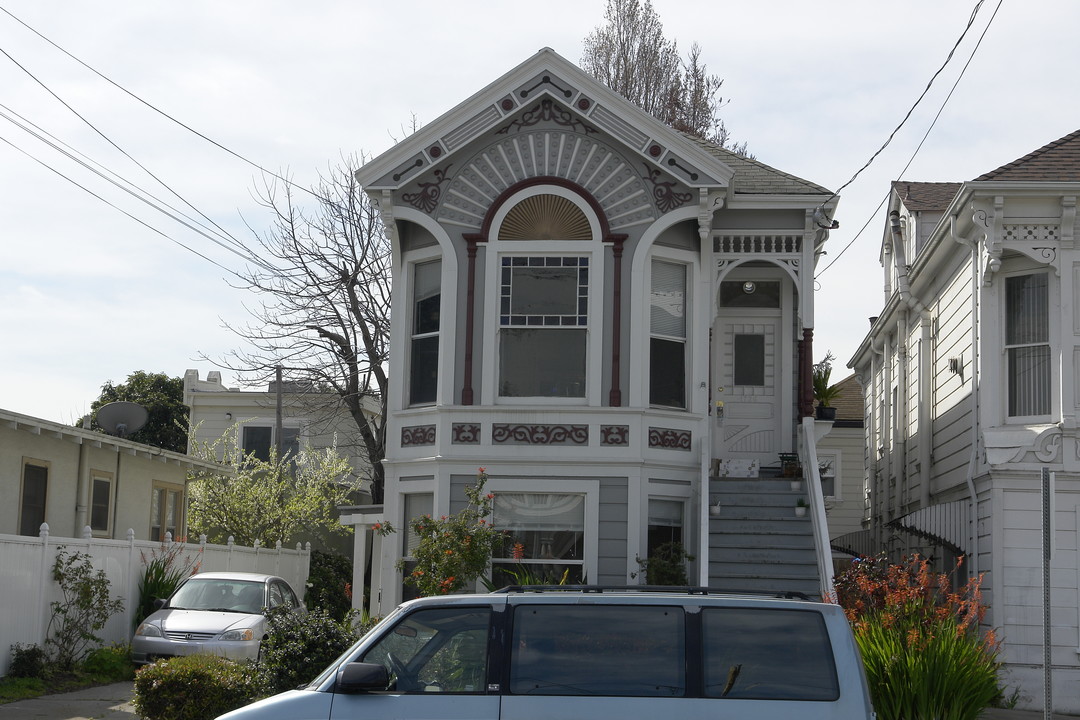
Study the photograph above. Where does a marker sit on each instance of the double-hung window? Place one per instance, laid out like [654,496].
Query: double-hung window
[35,491]
[543,325]
[259,440]
[545,538]
[424,339]
[1027,344]
[667,342]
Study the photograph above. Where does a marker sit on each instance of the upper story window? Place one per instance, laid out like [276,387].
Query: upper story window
[259,440]
[667,341]
[35,492]
[424,339]
[1027,344]
[543,319]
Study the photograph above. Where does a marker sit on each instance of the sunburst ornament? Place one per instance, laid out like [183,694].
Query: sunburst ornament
[545,217]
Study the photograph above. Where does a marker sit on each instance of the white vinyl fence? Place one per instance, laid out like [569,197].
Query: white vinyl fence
[27,587]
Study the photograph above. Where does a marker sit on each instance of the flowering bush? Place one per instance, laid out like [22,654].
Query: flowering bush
[453,550]
[924,652]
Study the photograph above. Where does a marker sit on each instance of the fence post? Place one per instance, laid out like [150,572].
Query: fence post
[228,558]
[277,558]
[44,575]
[132,591]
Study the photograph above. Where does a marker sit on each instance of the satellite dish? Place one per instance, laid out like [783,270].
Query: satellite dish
[122,418]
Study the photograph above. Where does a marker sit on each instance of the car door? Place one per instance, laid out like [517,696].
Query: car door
[438,661]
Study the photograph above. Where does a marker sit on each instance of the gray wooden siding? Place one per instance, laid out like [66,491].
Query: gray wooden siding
[612,531]
[952,391]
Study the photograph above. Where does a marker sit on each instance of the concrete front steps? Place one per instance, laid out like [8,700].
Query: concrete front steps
[756,543]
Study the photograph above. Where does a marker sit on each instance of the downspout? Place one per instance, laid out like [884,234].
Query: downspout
[973,502]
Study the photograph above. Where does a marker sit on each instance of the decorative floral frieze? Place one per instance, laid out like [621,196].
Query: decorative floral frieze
[417,435]
[427,199]
[618,435]
[669,439]
[465,433]
[515,434]
[546,110]
[664,193]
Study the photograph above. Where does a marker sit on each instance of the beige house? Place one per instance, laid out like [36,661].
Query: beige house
[74,479]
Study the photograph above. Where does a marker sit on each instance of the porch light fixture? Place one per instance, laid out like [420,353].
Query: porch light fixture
[749,287]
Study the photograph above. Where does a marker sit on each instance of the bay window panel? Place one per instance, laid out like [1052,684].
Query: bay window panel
[667,373]
[424,341]
[542,362]
[1029,381]
[1027,335]
[545,537]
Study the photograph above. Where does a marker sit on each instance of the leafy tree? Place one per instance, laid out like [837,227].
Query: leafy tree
[631,56]
[283,498]
[163,398]
[324,315]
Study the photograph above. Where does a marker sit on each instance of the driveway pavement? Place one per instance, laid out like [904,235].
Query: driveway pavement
[113,702]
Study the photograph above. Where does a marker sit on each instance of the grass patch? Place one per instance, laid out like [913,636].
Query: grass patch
[103,666]
[12,689]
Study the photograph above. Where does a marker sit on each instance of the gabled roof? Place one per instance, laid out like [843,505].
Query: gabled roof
[1058,161]
[923,196]
[756,178]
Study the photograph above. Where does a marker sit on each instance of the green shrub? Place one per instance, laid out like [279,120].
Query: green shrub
[27,661]
[330,584]
[110,664]
[666,565]
[926,656]
[194,687]
[83,611]
[298,646]
[164,570]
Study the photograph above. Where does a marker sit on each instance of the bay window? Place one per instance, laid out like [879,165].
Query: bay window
[545,538]
[1027,344]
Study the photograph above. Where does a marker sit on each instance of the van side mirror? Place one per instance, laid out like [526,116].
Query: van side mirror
[357,677]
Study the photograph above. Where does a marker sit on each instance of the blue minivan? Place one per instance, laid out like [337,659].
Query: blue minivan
[589,652]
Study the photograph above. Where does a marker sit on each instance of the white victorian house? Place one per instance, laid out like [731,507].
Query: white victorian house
[971,389]
[616,321]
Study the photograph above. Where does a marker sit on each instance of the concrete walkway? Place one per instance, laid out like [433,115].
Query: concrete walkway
[113,702]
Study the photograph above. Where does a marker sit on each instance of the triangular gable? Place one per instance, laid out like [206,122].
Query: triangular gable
[1058,161]
[546,86]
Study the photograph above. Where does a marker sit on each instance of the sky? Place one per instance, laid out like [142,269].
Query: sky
[95,285]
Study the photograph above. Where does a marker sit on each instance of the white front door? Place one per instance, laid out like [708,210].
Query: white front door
[752,381]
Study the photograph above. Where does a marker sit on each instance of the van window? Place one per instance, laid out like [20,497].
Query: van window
[590,650]
[438,650]
[768,654]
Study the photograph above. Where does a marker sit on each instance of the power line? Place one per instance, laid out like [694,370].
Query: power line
[163,113]
[941,109]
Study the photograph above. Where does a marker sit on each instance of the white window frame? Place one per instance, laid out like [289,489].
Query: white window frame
[593,250]
[589,488]
[411,333]
[1050,344]
[263,422]
[45,465]
[835,459]
[688,277]
[159,521]
[108,477]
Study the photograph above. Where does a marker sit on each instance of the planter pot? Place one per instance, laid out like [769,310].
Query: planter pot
[796,485]
[714,510]
[800,511]
[826,413]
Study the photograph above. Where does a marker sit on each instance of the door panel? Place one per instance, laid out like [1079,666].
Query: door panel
[747,379]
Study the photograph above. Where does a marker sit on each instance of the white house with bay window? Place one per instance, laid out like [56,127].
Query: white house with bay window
[615,320]
[971,382]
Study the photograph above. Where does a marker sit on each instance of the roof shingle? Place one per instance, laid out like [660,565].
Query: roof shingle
[1058,161]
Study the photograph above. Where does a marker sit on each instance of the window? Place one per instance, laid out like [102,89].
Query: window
[546,538]
[441,650]
[665,523]
[415,505]
[543,318]
[744,647]
[258,440]
[749,360]
[166,508]
[101,485]
[1027,344]
[424,353]
[35,487]
[667,344]
[627,651]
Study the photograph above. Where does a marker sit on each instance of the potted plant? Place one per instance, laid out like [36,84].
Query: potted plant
[825,469]
[800,508]
[824,393]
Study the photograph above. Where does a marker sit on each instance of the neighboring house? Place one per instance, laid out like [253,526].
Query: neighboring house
[73,479]
[972,390]
[613,319]
[841,467]
[307,419]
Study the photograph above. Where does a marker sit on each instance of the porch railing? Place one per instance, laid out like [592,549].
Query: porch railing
[808,436]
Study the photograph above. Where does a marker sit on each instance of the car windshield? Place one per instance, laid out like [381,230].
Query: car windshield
[220,594]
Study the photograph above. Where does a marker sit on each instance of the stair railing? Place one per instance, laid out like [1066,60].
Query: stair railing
[823,550]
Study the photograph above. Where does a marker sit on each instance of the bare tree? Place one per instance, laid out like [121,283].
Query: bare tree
[631,56]
[324,315]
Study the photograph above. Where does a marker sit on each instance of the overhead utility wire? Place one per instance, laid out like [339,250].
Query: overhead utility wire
[115,207]
[122,151]
[122,183]
[165,114]
[971,21]
[911,159]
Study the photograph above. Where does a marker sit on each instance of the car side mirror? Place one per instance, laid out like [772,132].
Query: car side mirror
[159,603]
[358,677]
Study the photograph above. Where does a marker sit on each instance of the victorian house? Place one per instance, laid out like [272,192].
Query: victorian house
[614,319]
[971,398]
